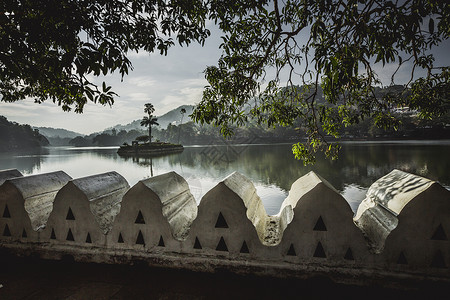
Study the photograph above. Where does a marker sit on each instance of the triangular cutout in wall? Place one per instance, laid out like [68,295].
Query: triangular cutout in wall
[6,213]
[244,248]
[197,244]
[291,251]
[70,236]
[439,234]
[140,239]
[161,242]
[349,255]
[401,260]
[320,225]
[221,222]
[319,252]
[139,218]
[222,246]
[438,260]
[120,239]
[70,215]
[53,235]
[6,231]
[88,238]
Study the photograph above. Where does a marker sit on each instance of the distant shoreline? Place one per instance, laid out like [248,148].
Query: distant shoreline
[409,141]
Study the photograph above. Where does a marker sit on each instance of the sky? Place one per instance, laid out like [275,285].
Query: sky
[165,81]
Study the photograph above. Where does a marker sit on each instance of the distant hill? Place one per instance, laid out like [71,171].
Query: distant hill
[57,132]
[15,137]
[173,116]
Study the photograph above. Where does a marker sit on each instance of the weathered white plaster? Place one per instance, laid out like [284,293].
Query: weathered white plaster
[377,215]
[178,204]
[256,212]
[156,215]
[224,222]
[29,201]
[405,217]
[8,174]
[86,206]
[418,217]
[320,226]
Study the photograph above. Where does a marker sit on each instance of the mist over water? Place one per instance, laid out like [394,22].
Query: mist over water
[272,168]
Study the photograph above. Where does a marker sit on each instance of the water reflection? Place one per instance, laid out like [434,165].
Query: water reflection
[272,168]
[25,161]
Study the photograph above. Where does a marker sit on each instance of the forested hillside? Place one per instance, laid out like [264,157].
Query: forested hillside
[14,136]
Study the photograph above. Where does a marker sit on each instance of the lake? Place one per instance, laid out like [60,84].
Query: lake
[272,168]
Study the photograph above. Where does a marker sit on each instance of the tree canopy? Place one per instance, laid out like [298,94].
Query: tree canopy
[51,49]
[282,61]
[16,137]
[313,61]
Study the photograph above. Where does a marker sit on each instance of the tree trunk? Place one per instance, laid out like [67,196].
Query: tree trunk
[150,133]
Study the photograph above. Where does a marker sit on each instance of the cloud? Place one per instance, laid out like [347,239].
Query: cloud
[142,81]
[193,95]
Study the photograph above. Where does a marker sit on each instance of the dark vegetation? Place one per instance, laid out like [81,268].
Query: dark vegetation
[106,138]
[332,49]
[190,133]
[409,126]
[50,51]
[14,136]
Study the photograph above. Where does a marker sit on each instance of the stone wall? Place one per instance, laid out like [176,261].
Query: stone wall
[401,230]
[26,203]
[8,174]
[84,210]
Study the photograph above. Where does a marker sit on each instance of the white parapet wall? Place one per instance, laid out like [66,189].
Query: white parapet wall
[156,215]
[26,203]
[406,219]
[401,230]
[84,210]
[230,222]
[9,174]
[321,229]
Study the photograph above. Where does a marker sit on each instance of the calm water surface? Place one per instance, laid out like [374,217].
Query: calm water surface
[272,168]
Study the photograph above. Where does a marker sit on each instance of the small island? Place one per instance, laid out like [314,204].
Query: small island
[143,145]
[149,149]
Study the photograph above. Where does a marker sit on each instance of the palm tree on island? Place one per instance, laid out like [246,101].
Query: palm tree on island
[150,120]
[149,148]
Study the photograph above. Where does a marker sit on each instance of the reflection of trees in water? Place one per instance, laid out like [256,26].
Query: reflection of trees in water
[360,164]
[149,160]
[25,161]
[99,152]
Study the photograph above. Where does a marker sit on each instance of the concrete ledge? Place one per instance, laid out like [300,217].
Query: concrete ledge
[401,229]
[26,203]
[224,222]
[321,229]
[9,174]
[377,215]
[421,239]
[156,215]
[85,208]
[178,204]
